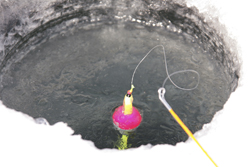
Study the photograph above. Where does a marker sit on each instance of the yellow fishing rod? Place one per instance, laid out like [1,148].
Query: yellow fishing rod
[161,93]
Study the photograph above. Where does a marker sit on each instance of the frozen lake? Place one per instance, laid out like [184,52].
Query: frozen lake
[225,138]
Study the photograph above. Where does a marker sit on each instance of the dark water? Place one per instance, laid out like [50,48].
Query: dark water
[80,73]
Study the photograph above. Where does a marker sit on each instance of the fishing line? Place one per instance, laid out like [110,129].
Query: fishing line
[161,93]
[166,66]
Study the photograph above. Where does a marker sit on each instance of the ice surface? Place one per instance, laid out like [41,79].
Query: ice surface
[25,143]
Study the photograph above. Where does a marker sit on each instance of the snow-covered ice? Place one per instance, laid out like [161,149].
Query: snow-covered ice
[25,143]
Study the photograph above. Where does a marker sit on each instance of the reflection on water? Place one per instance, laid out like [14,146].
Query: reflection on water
[79,74]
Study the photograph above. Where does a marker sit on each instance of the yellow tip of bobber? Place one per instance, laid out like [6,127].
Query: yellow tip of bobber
[132,87]
[129,92]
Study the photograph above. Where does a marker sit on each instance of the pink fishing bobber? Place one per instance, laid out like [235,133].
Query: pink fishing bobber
[127,117]
[126,122]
